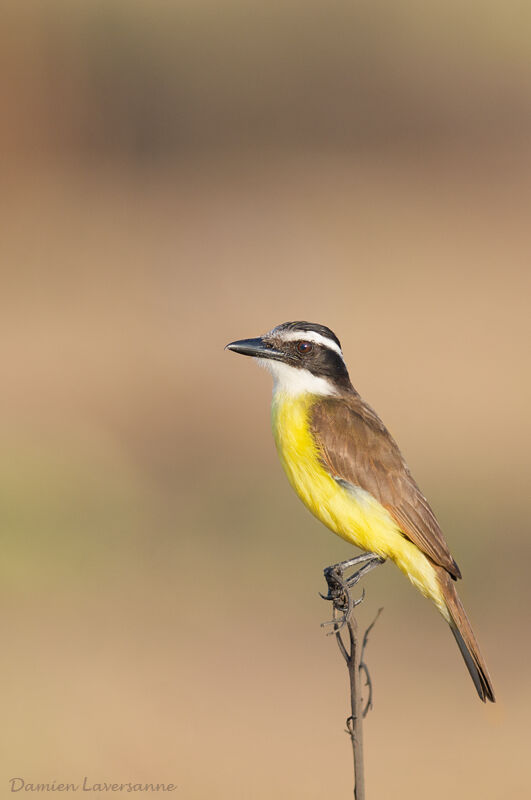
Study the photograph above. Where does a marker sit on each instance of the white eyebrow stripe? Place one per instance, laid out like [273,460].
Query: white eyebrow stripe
[310,336]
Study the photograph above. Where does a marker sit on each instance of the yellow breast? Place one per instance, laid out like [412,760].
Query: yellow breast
[354,515]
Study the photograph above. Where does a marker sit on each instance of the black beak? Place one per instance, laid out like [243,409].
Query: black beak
[258,348]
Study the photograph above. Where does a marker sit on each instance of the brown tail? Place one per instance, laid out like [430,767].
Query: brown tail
[465,638]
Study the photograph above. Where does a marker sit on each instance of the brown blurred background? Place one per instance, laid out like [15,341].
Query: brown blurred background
[180,174]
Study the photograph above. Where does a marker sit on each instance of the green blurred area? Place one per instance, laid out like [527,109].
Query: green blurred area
[177,176]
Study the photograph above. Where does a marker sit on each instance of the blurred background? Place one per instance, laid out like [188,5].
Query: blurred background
[176,175]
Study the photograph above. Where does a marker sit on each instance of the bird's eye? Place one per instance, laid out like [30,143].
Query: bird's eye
[304,348]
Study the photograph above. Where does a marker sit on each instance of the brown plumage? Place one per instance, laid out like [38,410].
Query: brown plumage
[356,449]
[464,636]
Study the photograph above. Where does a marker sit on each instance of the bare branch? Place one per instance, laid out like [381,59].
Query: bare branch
[342,647]
[343,605]
[369,629]
[368,683]
[363,665]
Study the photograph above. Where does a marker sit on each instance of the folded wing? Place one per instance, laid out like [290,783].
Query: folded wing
[355,446]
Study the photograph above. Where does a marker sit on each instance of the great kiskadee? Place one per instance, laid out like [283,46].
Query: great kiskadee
[347,469]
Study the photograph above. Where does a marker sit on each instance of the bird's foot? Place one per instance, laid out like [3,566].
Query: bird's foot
[339,587]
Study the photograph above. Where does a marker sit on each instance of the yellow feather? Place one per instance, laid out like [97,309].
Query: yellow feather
[354,515]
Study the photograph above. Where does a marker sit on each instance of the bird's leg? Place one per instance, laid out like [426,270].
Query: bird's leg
[338,586]
[370,563]
[334,574]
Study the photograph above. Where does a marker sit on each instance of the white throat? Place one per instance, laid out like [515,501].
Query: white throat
[294,381]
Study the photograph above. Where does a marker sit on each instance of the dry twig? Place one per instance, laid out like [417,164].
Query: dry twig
[353,652]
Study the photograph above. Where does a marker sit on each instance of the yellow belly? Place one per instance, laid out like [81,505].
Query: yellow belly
[354,515]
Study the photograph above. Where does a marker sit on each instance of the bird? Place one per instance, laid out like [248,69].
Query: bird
[348,470]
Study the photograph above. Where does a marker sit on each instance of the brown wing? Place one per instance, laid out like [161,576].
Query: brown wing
[356,447]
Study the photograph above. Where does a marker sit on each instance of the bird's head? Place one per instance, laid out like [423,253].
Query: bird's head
[301,356]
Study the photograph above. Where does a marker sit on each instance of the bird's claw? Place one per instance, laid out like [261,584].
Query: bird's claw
[339,588]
